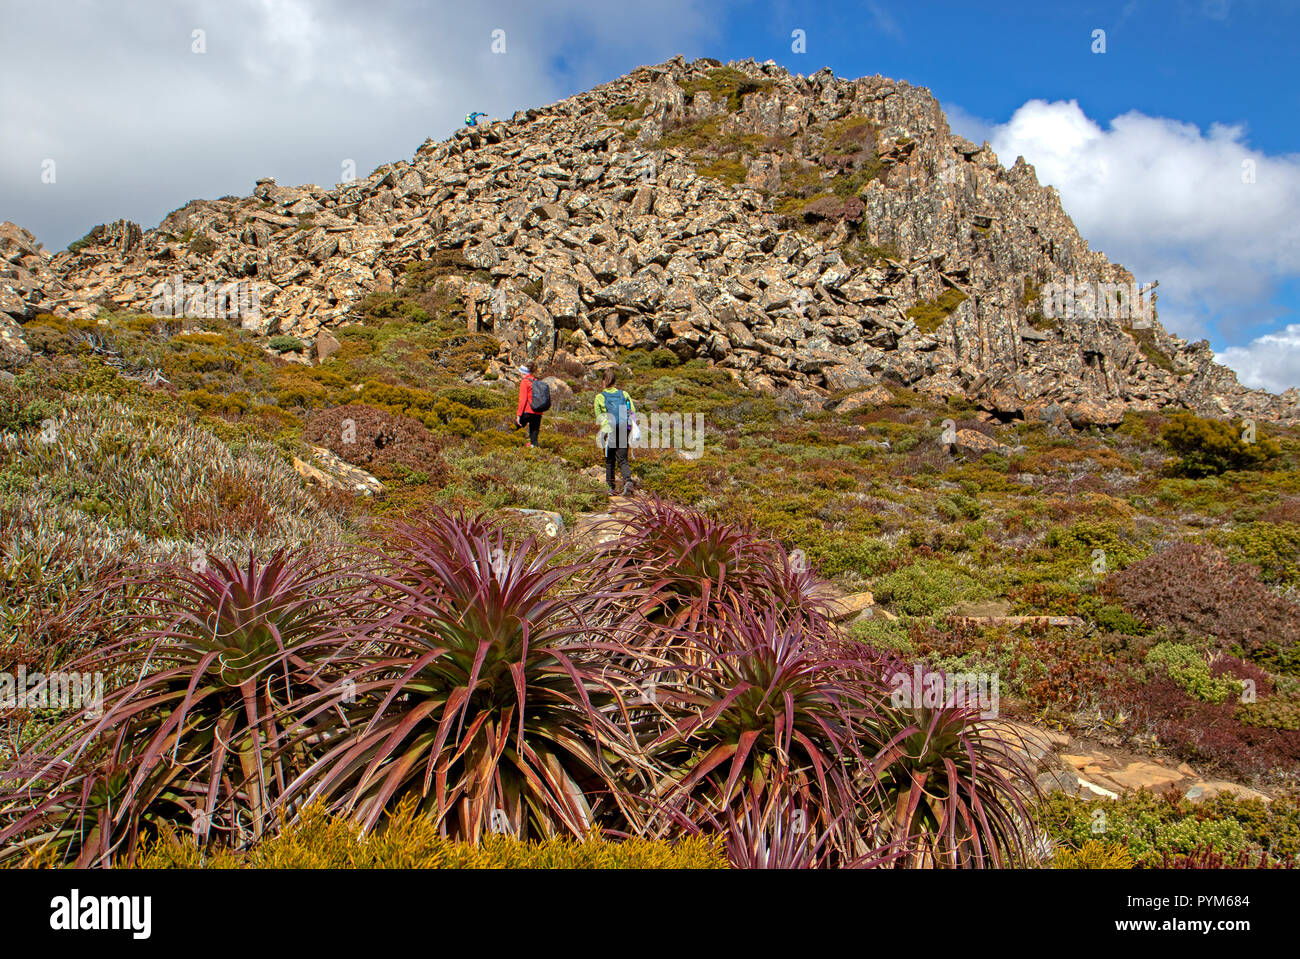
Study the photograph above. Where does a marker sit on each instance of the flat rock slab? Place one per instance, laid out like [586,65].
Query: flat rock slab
[1208,789]
[1140,775]
[1034,744]
[982,610]
[846,607]
[1022,620]
[1083,761]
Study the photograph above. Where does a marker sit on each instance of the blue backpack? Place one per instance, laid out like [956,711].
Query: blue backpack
[616,409]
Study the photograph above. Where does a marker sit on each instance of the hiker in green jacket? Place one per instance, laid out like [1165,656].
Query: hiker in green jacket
[616,419]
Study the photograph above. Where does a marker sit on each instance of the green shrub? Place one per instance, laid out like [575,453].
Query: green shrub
[1273,547]
[1029,301]
[19,411]
[628,111]
[1187,667]
[1146,341]
[286,344]
[956,506]
[380,305]
[724,84]
[1275,712]
[880,633]
[928,587]
[1115,619]
[1152,826]
[1206,447]
[1093,855]
[410,841]
[730,170]
[1080,540]
[664,357]
[849,135]
[930,314]
[859,251]
[76,246]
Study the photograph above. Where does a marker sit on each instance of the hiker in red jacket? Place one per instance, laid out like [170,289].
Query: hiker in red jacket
[534,399]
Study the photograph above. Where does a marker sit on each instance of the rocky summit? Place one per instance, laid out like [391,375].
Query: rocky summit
[813,235]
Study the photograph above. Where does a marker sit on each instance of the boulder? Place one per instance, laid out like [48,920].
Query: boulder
[1094,411]
[326,469]
[977,443]
[561,392]
[873,396]
[13,348]
[326,345]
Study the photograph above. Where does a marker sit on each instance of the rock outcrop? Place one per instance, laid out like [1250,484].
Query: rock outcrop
[811,234]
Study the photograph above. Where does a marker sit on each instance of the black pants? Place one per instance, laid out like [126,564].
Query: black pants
[534,423]
[617,456]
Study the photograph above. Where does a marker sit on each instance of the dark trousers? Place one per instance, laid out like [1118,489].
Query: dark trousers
[534,423]
[617,456]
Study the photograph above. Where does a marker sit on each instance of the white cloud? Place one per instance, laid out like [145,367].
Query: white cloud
[138,124]
[1270,362]
[1174,203]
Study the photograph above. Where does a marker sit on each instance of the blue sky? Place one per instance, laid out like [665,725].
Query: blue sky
[1145,141]
[1205,63]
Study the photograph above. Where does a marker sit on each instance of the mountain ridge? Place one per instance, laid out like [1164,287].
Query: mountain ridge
[813,235]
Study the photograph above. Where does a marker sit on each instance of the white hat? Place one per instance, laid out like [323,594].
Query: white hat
[524,369]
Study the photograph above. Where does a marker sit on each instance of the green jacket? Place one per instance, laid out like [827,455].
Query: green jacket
[602,418]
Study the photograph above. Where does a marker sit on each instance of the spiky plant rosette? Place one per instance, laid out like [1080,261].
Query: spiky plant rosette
[73,822]
[953,789]
[753,701]
[484,689]
[772,831]
[680,569]
[196,711]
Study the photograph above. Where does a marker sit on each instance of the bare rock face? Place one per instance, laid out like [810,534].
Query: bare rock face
[813,235]
[27,285]
[13,348]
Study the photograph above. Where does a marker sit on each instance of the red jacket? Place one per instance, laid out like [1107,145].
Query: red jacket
[526,396]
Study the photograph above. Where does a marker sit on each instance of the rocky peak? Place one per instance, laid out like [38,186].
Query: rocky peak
[810,234]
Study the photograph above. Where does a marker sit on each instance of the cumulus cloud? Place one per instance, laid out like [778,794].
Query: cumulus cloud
[137,123]
[1270,362]
[1215,221]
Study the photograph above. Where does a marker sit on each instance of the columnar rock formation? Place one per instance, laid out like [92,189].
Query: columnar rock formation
[812,234]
